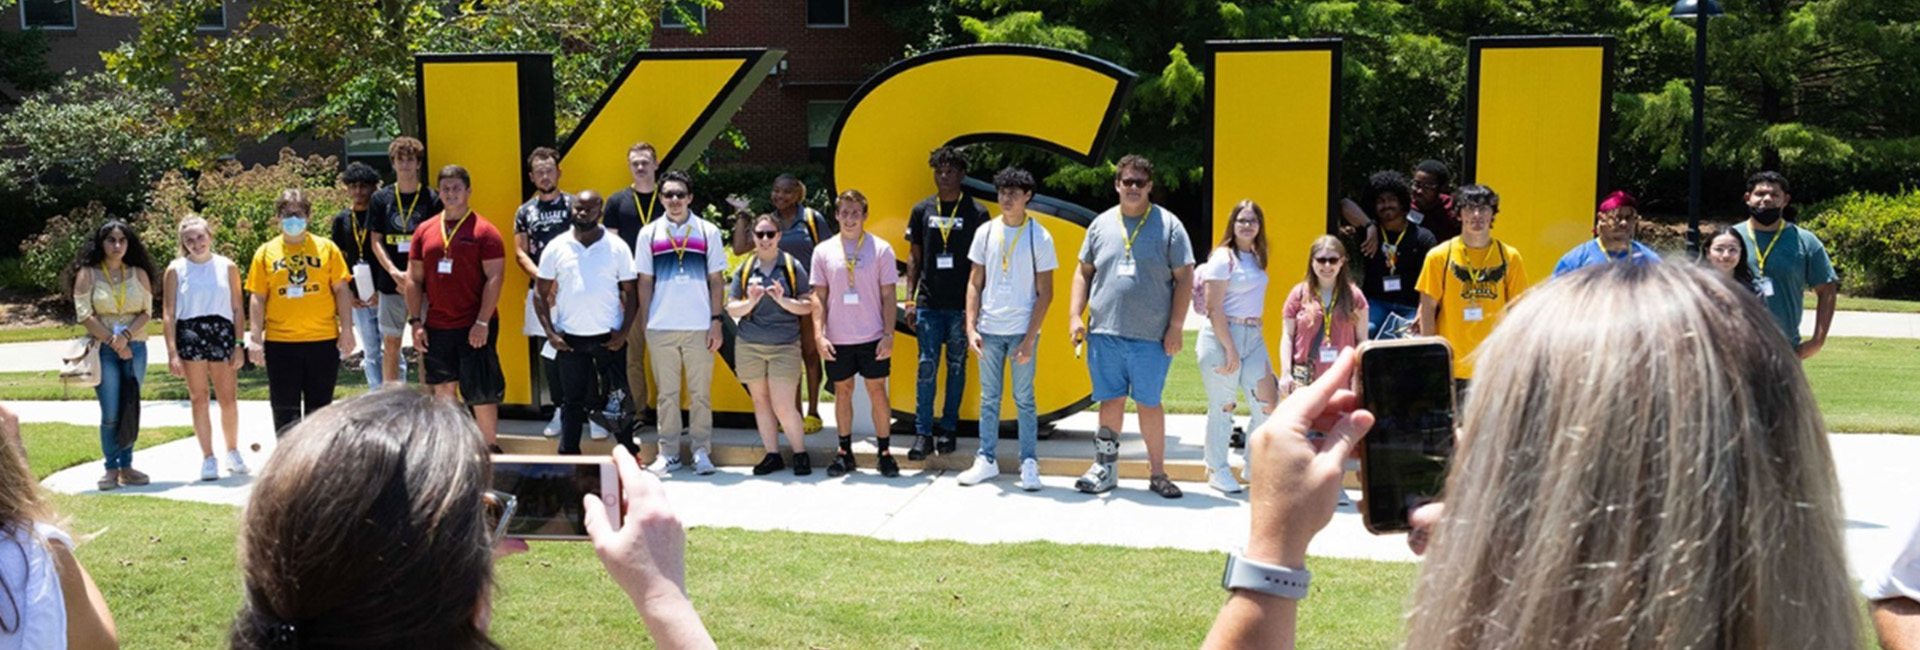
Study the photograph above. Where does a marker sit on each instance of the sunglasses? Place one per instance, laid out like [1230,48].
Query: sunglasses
[765,234]
[674,195]
[500,507]
[1326,260]
[1135,183]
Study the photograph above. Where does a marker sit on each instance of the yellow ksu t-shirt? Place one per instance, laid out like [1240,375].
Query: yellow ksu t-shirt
[1461,279]
[298,282]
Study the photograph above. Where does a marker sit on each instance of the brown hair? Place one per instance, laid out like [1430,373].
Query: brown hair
[454,171]
[542,153]
[289,198]
[1620,490]
[367,530]
[20,507]
[855,197]
[406,146]
[1135,162]
[1342,281]
[642,146]
[1259,239]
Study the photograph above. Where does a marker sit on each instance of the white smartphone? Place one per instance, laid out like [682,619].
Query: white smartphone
[546,491]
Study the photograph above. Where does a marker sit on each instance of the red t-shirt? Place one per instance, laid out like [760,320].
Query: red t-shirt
[453,292]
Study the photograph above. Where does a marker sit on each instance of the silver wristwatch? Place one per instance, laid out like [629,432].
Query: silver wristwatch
[1242,573]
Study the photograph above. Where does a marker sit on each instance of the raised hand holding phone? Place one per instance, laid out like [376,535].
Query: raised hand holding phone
[1296,488]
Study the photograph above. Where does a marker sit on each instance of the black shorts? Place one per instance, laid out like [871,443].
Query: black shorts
[449,359]
[858,359]
[206,338]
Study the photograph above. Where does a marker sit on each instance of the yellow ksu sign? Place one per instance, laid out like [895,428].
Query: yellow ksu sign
[1537,132]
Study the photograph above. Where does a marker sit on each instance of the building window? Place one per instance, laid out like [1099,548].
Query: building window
[821,117]
[674,15]
[48,14]
[213,18]
[826,13]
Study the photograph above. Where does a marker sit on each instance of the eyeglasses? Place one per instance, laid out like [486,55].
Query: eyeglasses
[500,507]
[1617,219]
[765,234]
[1422,185]
[674,195]
[1136,183]
[1326,260]
[1246,222]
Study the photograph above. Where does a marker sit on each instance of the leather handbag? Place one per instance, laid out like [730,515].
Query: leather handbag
[80,364]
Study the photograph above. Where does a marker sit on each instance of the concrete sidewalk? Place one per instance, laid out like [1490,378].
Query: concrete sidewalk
[929,504]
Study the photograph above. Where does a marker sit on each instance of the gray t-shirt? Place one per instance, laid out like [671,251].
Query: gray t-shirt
[1135,306]
[768,323]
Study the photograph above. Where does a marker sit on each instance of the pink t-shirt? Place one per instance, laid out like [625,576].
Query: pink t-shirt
[1307,323]
[853,317]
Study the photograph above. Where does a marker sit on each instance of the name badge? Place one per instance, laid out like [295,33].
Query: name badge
[1391,283]
[406,245]
[1765,285]
[1125,269]
[943,261]
[1003,289]
[446,266]
[296,291]
[1328,354]
[1473,314]
[850,298]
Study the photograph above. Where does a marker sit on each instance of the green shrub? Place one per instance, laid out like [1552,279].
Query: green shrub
[49,253]
[1875,242]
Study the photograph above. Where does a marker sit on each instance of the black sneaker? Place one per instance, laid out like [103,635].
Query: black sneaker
[648,418]
[888,467]
[495,449]
[841,465]
[802,465]
[946,442]
[769,465]
[922,447]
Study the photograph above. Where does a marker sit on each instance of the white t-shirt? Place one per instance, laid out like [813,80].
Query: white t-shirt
[1006,302]
[1901,577]
[28,570]
[204,289]
[586,294]
[1246,282]
[679,259]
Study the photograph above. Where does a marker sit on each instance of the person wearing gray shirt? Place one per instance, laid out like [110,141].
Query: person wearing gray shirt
[1136,265]
[770,294]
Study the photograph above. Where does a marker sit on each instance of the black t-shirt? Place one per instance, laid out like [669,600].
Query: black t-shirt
[395,216]
[1410,255]
[345,225]
[542,221]
[944,288]
[627,214]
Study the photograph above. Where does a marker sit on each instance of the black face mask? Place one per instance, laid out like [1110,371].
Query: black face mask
[1765,215]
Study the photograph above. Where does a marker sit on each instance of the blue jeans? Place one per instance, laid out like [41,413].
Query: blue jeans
[366,327]
[938,328]
[995,352]
[1222,389]
[112,370]
[1377,311]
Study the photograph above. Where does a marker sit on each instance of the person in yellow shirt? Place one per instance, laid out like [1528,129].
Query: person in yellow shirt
[300,324]
[1467,282]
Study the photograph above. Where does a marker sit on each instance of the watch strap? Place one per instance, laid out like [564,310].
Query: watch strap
[1242,573]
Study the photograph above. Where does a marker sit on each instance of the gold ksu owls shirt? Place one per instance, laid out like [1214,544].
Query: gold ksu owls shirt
[298,280]
[1473,289]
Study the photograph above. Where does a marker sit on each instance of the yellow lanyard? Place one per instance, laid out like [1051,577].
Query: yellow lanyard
[359,227]
[406,211]
[446,238]
[946,225]
[120,286]
[1326,318]
[1479,269]
[646,216]
[853,257]
[1006,252]
[1760,255]
[1393,250]
[680,245]
[1136,230]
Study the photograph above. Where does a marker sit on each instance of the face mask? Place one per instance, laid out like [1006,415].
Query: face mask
[293,226]
[1766,216]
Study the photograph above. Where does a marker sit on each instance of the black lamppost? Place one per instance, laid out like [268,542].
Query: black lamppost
[1698,11]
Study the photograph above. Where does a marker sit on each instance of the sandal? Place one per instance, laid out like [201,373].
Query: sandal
[1163,486]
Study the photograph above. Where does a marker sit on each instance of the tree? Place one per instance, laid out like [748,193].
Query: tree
[320,66]
[86,127]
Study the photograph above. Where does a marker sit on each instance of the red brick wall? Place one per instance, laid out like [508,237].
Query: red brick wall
[822,64]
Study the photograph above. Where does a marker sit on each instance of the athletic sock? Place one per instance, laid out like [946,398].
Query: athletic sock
[846,445]
[881,443]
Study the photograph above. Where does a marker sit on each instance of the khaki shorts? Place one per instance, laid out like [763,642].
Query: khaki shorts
[755,362]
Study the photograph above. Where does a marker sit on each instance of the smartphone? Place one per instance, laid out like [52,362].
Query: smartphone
[1408,385]
[547,491]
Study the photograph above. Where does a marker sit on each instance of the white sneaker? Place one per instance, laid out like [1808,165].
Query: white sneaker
[553,427]
[1029,475]
[595,431]
[702,465]
[1222,480]
[209,469]
[235,464]
[663,465]
[983,470]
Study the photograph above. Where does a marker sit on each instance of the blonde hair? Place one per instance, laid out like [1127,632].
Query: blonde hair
[180,234]
[1657,478]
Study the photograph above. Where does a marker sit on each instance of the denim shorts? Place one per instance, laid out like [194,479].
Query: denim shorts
[1124,367]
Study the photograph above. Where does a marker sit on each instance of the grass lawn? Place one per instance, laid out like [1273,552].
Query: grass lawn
[53,447]
[45,385]
[61,332]
[1867,384]
[1850,303]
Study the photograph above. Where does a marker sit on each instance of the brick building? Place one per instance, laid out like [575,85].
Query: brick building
[832,47]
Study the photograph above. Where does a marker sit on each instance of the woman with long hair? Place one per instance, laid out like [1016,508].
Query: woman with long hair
[370,528]
[1727,253]
[771,295]
[1232,348]
[1609,489]
[47,600]
[112,285]
[1325,314]
[203,311]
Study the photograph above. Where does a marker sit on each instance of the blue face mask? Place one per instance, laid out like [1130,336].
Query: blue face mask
[293,226]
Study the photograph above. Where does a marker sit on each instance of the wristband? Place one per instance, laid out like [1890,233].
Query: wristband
[482,324]
[1242,573]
